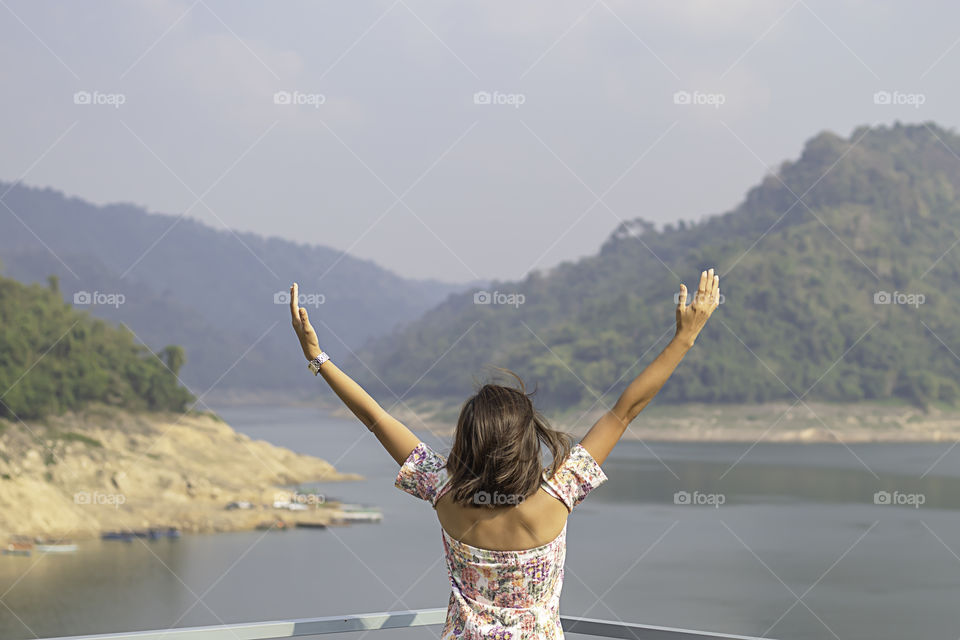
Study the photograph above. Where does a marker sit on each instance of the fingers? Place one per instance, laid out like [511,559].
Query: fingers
[708,289]
[294,303]
[682,298]
[304,319]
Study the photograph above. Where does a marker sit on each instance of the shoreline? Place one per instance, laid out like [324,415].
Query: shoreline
[779,422]
[105,469]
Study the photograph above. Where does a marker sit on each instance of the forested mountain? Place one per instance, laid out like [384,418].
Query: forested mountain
[212,291]
[838,271]
[54,358]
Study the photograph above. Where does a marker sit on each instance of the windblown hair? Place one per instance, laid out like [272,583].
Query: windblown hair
[495,459]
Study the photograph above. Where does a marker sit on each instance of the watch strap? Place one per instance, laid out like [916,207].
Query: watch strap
[314,365]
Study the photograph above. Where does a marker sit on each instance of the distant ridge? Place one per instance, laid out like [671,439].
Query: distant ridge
[211,291]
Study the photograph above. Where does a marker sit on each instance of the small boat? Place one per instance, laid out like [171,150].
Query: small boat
[51,545]
[358,516]
[357,513]
[155,533]
[11,551]
[272,525]
[18,546]
[311,525]
[126,536]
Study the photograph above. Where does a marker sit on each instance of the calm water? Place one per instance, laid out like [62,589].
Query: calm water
[798,549]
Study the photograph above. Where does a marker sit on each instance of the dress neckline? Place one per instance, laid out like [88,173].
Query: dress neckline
[543,484]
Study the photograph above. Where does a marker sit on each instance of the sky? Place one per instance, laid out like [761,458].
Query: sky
[457,141]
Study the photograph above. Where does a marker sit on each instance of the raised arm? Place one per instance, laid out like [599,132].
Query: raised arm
[606,432]
[395,437]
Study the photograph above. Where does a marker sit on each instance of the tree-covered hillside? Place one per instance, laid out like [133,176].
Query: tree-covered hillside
[804,263]
[54,358]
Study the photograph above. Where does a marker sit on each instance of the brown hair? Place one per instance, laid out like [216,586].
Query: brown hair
[495,459]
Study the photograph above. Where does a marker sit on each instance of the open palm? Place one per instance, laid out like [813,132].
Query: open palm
[692,318]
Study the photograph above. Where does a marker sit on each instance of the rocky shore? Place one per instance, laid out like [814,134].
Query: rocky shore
[105,469]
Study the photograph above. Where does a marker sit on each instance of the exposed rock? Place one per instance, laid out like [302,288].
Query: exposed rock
[105,469]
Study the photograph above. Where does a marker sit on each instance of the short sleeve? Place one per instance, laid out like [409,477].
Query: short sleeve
[423,473]
[576,477]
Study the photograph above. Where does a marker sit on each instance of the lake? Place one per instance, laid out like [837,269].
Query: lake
[781,540]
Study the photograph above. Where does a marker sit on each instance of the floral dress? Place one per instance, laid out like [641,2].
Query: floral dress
[507,595]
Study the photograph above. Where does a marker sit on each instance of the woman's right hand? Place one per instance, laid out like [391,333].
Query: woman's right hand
[692,318]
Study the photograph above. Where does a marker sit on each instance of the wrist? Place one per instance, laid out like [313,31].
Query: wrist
[684,340]
[315,363]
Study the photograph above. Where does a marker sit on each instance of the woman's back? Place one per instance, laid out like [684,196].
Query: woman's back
[533,522]
[505,563]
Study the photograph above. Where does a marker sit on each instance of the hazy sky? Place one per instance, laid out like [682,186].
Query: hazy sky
[390,155]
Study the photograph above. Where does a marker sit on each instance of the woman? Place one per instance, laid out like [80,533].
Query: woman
[503,516]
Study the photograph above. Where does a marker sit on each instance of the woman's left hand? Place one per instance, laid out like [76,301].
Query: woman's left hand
[301,324]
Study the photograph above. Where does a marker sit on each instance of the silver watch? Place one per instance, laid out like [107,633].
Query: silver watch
[314,365]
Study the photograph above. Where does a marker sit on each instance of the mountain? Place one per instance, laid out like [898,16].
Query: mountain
[838,273]
[89,417]
[171,279]
[54,358]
